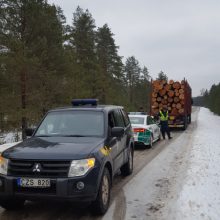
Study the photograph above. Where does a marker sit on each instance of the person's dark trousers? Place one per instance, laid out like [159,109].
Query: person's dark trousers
[165,129]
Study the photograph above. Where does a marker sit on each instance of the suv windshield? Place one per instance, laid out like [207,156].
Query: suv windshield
[72,123]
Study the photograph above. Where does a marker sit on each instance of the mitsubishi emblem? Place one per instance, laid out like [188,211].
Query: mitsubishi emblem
[36,168]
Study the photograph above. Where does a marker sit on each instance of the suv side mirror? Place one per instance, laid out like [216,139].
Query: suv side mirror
[117,131]
[29,131]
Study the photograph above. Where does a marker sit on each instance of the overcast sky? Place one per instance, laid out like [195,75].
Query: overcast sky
[181,38]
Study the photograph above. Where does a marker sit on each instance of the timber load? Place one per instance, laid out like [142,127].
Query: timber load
[176,96]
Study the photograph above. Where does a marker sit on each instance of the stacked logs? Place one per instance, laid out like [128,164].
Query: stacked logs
[169,94]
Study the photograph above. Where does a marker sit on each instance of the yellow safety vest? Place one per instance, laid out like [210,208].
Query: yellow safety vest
[163,117]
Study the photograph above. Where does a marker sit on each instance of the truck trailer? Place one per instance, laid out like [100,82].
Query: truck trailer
[176,96]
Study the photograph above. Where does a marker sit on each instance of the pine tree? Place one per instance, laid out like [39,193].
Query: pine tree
[145,74]
[162,76]
[213,99]
[82,42]
[132,73]
[144,89]
[111,66]
[32,33]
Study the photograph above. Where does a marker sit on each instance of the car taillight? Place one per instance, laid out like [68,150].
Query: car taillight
[140,130]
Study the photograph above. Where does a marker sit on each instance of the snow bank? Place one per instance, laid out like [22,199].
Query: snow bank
[8,140]
[200,195]
[10,137]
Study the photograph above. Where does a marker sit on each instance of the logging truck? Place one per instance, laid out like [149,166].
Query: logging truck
[176,96]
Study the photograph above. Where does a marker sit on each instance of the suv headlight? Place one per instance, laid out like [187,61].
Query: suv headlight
[81,167]
[3,165]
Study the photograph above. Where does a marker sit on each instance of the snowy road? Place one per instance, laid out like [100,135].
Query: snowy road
[183,181]
[177,179]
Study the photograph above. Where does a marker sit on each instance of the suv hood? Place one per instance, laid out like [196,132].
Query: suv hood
[53,148]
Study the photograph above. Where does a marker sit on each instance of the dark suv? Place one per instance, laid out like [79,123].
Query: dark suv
[73,154]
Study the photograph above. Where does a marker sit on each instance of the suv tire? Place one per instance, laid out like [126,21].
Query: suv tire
[101,204]
[127,168]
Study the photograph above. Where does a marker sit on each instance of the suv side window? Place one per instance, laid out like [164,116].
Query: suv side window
[119,122]
[125,117]
[111,121]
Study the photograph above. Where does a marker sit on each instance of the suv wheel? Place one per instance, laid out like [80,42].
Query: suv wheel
[101,204]
[12,204]
[127,168]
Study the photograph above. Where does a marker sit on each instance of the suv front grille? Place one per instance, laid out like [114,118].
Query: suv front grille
[38,168]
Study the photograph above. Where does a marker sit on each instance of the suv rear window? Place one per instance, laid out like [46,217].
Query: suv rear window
[72,123]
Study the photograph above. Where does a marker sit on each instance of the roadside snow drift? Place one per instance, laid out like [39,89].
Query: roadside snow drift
[200,196]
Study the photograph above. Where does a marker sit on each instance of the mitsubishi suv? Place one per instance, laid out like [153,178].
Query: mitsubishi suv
[73,155]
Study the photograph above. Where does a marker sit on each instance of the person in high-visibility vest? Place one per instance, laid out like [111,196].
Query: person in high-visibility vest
[164,116]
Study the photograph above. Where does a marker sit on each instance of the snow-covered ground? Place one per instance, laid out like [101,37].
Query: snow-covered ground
[200,196]
[10,137]
[183,181]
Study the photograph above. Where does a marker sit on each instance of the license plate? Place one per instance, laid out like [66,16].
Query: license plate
[33,182]
[172,117]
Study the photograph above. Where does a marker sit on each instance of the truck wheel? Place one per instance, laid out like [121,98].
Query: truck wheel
[185,123]
[101,204]
[12,204]
[127,168]
[189,119]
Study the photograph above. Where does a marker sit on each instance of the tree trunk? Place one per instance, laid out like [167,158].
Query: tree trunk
[23,104]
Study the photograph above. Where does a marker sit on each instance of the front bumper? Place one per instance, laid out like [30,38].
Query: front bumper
[60,189]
